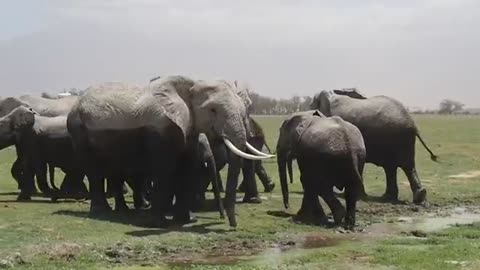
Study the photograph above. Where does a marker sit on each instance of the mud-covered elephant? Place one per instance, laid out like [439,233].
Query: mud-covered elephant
[388,130]
[330,152]
[40,141]
[153,130]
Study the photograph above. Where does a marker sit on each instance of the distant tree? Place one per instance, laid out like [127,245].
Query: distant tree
[448,106]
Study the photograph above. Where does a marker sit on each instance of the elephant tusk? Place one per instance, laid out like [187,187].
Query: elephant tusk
[240,153]
[257,152]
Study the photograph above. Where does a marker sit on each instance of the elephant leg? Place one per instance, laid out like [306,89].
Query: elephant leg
[419,192]
[391,192]
[185,189]
[117,186]
[51,174]
[268,185]
[41,174]
[98,201]
[363,194]
[138,186]
[27,185]
[338,211]
[311,211]
[220,183]
[251,190]
[16,171]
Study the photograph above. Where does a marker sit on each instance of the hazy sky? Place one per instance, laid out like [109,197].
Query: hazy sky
[419,51]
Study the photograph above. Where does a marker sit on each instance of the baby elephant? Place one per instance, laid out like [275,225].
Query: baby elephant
[330,153]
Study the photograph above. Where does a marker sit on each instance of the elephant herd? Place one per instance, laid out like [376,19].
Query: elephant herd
[169,139]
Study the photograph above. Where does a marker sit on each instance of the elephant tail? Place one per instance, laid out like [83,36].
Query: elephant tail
[268,147]
[432,155]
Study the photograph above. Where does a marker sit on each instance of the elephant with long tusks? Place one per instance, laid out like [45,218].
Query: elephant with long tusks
[125,128]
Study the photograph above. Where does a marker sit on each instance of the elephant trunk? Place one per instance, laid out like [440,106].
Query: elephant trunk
[236,133]
[212,174]
[290,169]
[282,161]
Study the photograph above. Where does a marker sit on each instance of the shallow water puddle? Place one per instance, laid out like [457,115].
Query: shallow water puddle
[272,253]
[418,226]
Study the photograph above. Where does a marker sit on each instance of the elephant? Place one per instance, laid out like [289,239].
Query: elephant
[330,152]
[44,107]
[389,133]
[40,141]
[256,139]
[153,130]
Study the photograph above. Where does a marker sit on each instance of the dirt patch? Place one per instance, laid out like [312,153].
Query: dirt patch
[466,175]
[63,251]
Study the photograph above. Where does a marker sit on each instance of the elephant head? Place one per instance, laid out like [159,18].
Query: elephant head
[9,104]
[214,108]
[13,123]
[291,131]
[322,101]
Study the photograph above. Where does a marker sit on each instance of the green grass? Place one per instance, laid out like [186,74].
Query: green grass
[44,235]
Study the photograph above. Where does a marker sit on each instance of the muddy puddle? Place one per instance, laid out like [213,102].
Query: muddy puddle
[417,226]
[273,252]
[430,222]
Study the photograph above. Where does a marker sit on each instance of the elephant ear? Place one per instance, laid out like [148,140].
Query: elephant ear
[350,92]
[173,105]
[242,92]
[293,128]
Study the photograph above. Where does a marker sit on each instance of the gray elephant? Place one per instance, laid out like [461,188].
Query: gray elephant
[153,130]
[388,130]
[255,139]
[330,152]
[44,107]
[40,141]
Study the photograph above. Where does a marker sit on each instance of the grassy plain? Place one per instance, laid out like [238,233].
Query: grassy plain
[45,235]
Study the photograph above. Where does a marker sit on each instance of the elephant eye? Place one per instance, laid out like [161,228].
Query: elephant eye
[213,110]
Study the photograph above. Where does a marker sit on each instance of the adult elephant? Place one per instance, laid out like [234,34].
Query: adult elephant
[330,152]
[389,133]
[256,141]
[153,130]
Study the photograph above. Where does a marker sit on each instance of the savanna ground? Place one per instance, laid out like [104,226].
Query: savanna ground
[45,235]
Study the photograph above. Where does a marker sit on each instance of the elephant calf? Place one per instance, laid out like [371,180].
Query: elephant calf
[330,153]
[40,141]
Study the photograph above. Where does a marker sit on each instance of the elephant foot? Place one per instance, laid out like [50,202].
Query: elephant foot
[142,204]
[310,219]
[269,187]
[420,196]
[22,197]
[338,215]
[253,200]
[183,219]
[99,209]
[121,208]
[389,197]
